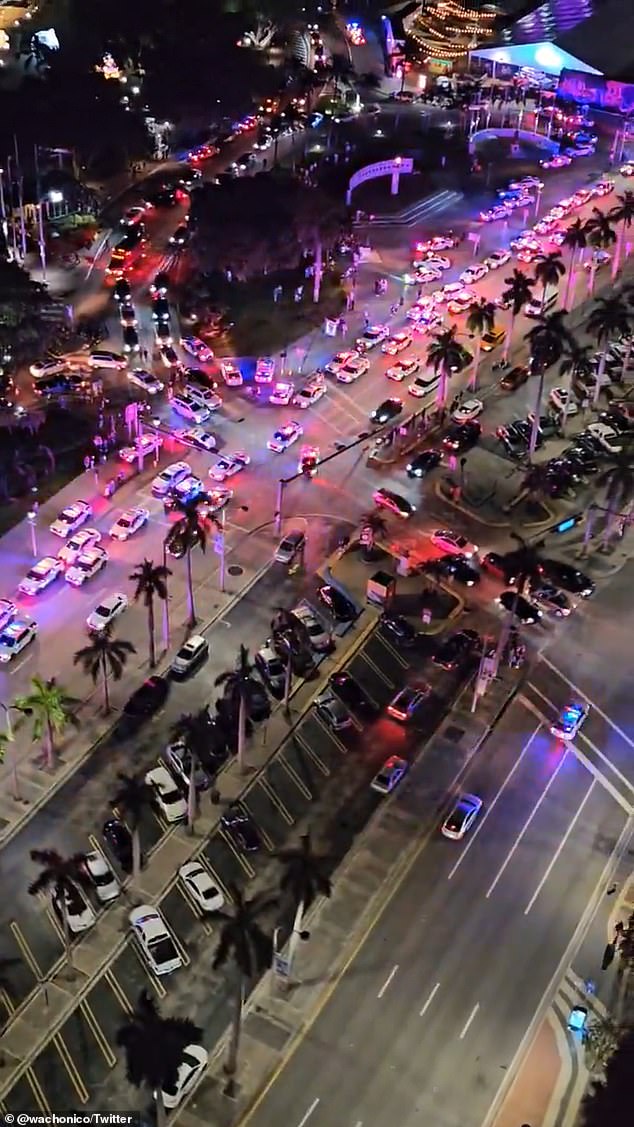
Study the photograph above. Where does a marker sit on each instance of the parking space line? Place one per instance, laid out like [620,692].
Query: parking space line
[379,672]
[118,990]
[205,863]
[38,1091]
[29,957]
[71,1068]
[178,945]
[246,865]
[195,910]
[321,766]
[294,776]
[55,924]
[332,735]
[154,979]
[7,1002]
[393,653]
[276,800]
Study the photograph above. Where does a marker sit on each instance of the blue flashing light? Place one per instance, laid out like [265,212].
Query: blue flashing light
[566,525]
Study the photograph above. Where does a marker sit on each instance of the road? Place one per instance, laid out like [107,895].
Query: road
[455,967]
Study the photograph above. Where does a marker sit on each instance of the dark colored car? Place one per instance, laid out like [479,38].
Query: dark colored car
[462,436]
[502,565]
[52,387]
[118,838]
[591,445]
[350,692]
[549,426]
[165,198]
[148,698]
[567,576]
[399,629]
[386,411]
[424,463]
[459,568]
[199,378]
[159,286]
[239,825]
[582,457]
[122,291]
[160,309]
[302,661]
[456,649]
[258,704]
[514,378]
[550,598]
[525,611]
[340,606]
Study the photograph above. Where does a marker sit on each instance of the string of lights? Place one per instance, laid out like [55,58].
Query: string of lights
[447,30]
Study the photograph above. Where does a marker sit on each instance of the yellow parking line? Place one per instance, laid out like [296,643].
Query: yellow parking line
[325,770]
[179,946]
[333,735]
[55,924]
[7,1002]
[38,1092]
[266,786]
[191,904]
[294,776]
[29,957]
[246,865]
[71,1068]
[154,979]
[394,653]
[379,672]
[118,991]
[99,1034]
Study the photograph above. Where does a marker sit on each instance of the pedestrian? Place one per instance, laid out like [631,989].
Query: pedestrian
[366,318]
[401,301]
[343,325]
[419,293]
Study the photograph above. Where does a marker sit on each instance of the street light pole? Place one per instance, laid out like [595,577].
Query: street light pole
[17,796]
[31,516]
[166,611]
[223,522]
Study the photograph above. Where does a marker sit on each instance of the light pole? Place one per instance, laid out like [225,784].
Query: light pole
[166,610]
[3,211]
[31,516]
[7,708]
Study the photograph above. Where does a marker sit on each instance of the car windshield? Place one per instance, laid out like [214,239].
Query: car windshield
[455,820]
[162,948]
[102,611]
[125,522]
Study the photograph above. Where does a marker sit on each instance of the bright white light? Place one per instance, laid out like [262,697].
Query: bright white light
[55,196]
[547,56]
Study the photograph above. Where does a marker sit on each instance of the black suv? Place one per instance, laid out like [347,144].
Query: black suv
[457,649]
[147,699]
[239,825]
[349,691]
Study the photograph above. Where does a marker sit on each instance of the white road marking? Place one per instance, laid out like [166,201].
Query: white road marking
[429,1000]
[469,1020]
[557,853]
[491,805]
[308,1114]
[387,981]
[527,823]
[585,696]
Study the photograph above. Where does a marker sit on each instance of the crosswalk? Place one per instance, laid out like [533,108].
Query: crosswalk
[416,212]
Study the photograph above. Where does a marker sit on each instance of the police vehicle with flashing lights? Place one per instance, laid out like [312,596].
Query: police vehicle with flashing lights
[569,721]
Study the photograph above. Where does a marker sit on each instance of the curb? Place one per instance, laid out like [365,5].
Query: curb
[438,490]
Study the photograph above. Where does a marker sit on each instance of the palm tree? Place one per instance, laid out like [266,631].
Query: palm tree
[193,728]
[303,879]
[547,340]
[618,480]
[576,240]
[609,317]
[577,365]
[373,526]
[519,293]
[602,235]
[150,580]
[291,637]
[623,214]
[187,533]
[251,949]
[62,875]
[602,1040]
[480,320]
[104,656]
[548,270]
[527,561]
[52,709]
[133,796]
[446,355]
[238,687]
[153,1048]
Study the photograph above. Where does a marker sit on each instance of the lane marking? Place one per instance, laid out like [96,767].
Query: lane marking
[469,1020]
[429,1000]
[308,1114]
[527,823]
[585,696]
[387,981]
[492,804]
[558,851]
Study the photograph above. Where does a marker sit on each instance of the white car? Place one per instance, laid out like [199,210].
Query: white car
[169,477]
[339,359]
[83,540]
[461,303]
[422,274]
[203,395]
[319,637]
[372,336]
[15,637]
[606,436]
[451,290]
[107,611]
[189,409]
[41,575]
[424,385]
[349,372]
[285,436]
[8,611]
[403,369]
[390,775]
[282,394]
[469,409]
[563,401]
[43,368]
[264,370]
[103,358]
[194,1061]
[437,242]
[71,518]
[146,381]
[86,565]
[527,182]
[453,543]
[107,886]
[310,394]
[437,262]
[231,374]
[130,521]
[198,437]
[169,799]
[198,349]
[570,720]
[461,816]
[79,914]
[496,259]
[189,655]
[228,464]
[154,939]
[215,500]
[396,343]
[473,273]
[145,445]
[197,880]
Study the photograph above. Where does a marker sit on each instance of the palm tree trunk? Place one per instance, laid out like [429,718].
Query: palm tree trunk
[443,387]
[617,251]
[191,794]
[318,268]
[537,409]
[473,382]
[288,681]
[601,372]
[190,591]
[568,389]
[68,950]
[136,854]
[591,517]
[231,1064]
[106,690]
[161,1116]
[509,338]
[626,361]
[150,627]
[242,732]
[51,757]
[569,276]
[295,935]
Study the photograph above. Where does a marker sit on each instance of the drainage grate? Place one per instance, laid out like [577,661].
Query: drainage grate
[235,569]
[453,733]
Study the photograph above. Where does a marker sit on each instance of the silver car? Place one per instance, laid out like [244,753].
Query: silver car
[333,712]
[288,548]
[191,654]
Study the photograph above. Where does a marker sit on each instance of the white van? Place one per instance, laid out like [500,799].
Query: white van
[539,305]
[104,359]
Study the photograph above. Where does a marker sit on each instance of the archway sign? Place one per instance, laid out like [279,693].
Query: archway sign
[395,168]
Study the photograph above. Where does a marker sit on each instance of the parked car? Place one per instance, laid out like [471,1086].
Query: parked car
[167,796]
[390,775]
[240,827]
[191,655]
[196,879]
[118,838]
[340,606]
[106,884]
[351,693]
[333,711]
[148,698]
[154,939]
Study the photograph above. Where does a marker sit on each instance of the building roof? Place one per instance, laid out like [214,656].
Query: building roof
[605,40]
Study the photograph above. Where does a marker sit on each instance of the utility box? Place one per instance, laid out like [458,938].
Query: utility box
[381,589]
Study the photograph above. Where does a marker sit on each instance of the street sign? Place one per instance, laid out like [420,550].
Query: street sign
[281,965]
[219,544]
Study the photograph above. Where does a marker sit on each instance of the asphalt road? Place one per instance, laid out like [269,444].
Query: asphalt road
[454,968]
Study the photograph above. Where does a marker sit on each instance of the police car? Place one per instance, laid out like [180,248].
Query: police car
[71,518]
[15,637]
[569,721]
[285,437]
